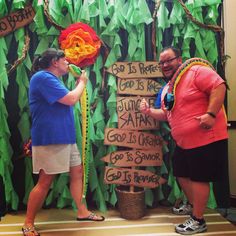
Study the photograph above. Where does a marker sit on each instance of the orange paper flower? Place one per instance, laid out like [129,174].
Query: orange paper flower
[80,44]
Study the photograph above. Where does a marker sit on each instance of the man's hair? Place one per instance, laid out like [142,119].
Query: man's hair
[176,51]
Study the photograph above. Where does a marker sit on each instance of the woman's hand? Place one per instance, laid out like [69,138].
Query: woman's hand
[83,78]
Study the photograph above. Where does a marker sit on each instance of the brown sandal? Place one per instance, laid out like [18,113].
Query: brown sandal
[30,231]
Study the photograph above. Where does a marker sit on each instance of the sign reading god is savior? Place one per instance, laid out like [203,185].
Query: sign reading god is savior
[135,157]
[16,20]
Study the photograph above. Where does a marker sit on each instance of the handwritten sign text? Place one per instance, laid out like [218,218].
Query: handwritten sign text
[130,117]
[140,178]
[16,20]
[136,69]
[135,158]
[132,139]
[138,86]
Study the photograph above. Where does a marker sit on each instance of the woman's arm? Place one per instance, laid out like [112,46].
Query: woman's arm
[73,96]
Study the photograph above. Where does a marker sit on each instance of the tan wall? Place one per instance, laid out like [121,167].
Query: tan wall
[230,49]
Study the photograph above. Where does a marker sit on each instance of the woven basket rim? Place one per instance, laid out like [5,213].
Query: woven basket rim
[125,191]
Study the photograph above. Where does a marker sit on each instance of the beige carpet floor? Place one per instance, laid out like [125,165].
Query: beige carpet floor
[156,222]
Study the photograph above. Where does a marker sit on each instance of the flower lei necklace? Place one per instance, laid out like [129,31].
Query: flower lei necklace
[169,99]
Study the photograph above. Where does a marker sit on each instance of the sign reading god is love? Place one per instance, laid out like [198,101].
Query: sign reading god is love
[16,20]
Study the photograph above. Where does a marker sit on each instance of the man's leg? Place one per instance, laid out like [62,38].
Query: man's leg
[200,194]
[186,186]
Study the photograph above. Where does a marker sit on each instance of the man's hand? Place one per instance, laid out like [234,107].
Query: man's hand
[144,107]
[206,121]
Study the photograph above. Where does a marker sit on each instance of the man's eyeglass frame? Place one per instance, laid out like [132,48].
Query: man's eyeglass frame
[161,63]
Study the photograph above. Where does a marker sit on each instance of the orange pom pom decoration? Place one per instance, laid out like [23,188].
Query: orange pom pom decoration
[80,44]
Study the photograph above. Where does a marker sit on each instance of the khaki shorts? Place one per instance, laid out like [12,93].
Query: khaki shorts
[55,159]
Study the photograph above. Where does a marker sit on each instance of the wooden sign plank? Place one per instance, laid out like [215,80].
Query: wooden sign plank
[135,157]
[132,139]
[138,86]
[125,176]
[130,117]
[16,20]
[147,69]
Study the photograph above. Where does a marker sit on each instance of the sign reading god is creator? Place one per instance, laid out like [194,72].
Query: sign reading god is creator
[132,139]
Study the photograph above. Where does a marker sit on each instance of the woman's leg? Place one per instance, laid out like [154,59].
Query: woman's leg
[37,197]
[76,189]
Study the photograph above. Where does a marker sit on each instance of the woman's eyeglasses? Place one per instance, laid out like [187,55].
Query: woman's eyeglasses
[161,63]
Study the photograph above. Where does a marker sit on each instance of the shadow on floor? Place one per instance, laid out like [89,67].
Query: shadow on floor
[228,213]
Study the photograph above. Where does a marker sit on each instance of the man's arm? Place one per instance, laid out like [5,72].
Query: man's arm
[216,99]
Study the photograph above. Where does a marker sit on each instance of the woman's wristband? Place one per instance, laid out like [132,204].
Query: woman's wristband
[211,114]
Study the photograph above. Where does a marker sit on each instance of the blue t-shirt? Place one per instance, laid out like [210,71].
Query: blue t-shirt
[52,122]
[157,103]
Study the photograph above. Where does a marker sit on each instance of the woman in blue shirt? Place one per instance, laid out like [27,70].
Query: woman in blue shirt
[54,148]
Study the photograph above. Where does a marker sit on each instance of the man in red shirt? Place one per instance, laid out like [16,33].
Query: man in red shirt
[192,103]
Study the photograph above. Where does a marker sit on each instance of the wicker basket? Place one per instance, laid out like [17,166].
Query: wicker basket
[131,204]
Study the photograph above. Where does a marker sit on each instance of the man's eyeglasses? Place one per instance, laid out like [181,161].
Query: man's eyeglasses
[161,63]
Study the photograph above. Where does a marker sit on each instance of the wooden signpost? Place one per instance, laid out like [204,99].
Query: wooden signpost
[145,149]
[134,78]
[16,20]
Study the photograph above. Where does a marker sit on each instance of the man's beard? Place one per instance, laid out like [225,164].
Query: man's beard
[168,78]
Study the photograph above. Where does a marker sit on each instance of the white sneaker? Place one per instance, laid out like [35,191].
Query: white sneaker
[190,227]
[183,209]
